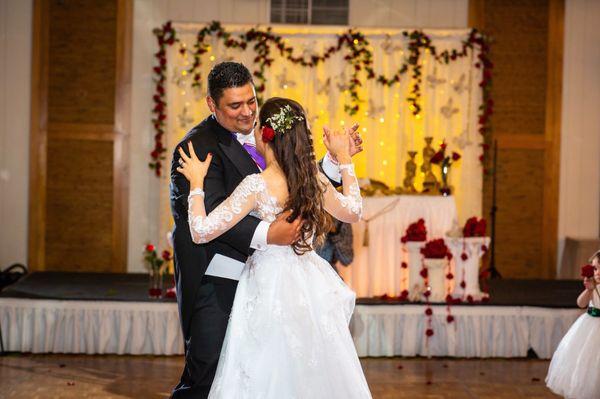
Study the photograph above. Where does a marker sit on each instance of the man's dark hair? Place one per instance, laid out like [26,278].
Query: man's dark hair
[226,75]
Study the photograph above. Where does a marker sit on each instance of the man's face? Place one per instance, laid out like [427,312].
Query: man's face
[236,110]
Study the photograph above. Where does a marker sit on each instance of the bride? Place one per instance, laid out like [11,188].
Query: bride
[288,333]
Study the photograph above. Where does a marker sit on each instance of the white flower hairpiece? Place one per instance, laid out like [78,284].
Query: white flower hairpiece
[284,119]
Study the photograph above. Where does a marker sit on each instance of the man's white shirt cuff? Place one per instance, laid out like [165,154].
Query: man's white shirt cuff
[331,169]
[259,239]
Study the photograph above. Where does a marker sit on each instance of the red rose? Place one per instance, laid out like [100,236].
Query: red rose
[450,318]
[588,271]
[437,158]
[429,332]
[166,255]
[423,273]
[484,248]
[150,248]
[428,311]
[449,276]
[449,298]
[427,294]
[455,156]
[464,256]
[443,146]
[470,299]
[463,284]
[268,134]
[404,265]
[404,294]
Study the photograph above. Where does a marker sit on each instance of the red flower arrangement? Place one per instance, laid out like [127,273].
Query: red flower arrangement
[436,249]
[415,232]
[474,227]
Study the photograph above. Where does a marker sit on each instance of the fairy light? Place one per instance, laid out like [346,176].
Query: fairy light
[285,87]
[212,58]
[364,129]
[385,162]
[381,120]
[183,92]
[381,143]
[342,123]
[355,41]
[183,73]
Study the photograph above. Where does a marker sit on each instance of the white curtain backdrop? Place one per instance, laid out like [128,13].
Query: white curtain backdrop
[450,100]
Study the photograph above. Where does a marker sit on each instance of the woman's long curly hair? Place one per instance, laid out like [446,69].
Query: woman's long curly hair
[294,152]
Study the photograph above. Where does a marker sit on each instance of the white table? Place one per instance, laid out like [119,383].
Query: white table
[376,269]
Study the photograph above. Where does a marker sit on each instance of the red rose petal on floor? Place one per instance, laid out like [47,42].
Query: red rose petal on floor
[429,383]
[535,379]
[70,383]
[445,366]
[400,367]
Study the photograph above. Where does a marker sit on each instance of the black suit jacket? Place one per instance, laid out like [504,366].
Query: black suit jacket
[230,164]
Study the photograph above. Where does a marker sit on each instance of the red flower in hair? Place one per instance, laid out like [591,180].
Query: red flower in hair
[268,134]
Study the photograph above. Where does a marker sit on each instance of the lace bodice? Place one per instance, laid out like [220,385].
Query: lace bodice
[251,196]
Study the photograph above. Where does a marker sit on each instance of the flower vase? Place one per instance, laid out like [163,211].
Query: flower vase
[416,284]
[437,278]
[155,283]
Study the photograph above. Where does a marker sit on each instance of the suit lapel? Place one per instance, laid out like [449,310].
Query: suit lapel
[233,150]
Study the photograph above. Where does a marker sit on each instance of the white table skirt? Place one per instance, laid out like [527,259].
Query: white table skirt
[477,331]
[376,269]
[90,327]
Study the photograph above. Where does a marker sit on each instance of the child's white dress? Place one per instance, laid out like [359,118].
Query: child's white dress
[574,371]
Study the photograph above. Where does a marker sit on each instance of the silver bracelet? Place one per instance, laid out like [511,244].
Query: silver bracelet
[196,191]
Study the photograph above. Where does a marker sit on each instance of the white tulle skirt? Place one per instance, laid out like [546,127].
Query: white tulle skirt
[288,334]
[575,367]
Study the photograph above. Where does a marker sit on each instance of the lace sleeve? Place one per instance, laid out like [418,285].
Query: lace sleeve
[239,204]
[346,206]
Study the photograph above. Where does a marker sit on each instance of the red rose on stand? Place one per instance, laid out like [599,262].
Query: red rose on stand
[464,256]
[450,318]
[166,255]
[455,156]
[435,249]
[415,232]
[429,332]
[149,247]
[474,227]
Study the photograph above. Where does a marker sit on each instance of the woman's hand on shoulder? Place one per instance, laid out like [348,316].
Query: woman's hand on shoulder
[192,167]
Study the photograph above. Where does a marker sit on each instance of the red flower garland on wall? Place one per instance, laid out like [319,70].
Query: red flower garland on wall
[359,56]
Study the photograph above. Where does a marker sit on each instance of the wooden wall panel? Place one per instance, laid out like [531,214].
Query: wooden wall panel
[82,57]
[519,52]
[526,88]
[79,205]
[519,217]
[80,129]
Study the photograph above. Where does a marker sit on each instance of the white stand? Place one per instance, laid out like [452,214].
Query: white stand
[437,278]
[416,284]
[467,270]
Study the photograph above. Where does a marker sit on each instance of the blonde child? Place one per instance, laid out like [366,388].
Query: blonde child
[574,371]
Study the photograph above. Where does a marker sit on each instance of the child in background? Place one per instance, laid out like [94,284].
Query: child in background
[574,371]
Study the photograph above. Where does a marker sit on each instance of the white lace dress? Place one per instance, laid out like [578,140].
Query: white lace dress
[288,335]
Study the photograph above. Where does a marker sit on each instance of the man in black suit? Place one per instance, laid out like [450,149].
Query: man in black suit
[207,274]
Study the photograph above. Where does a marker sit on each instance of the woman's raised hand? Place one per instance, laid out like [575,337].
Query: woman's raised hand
[193,168]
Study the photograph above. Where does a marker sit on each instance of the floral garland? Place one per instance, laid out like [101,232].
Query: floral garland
[359,56]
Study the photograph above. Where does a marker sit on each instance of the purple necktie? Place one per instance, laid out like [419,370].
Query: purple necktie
[260,161]
[251,149]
